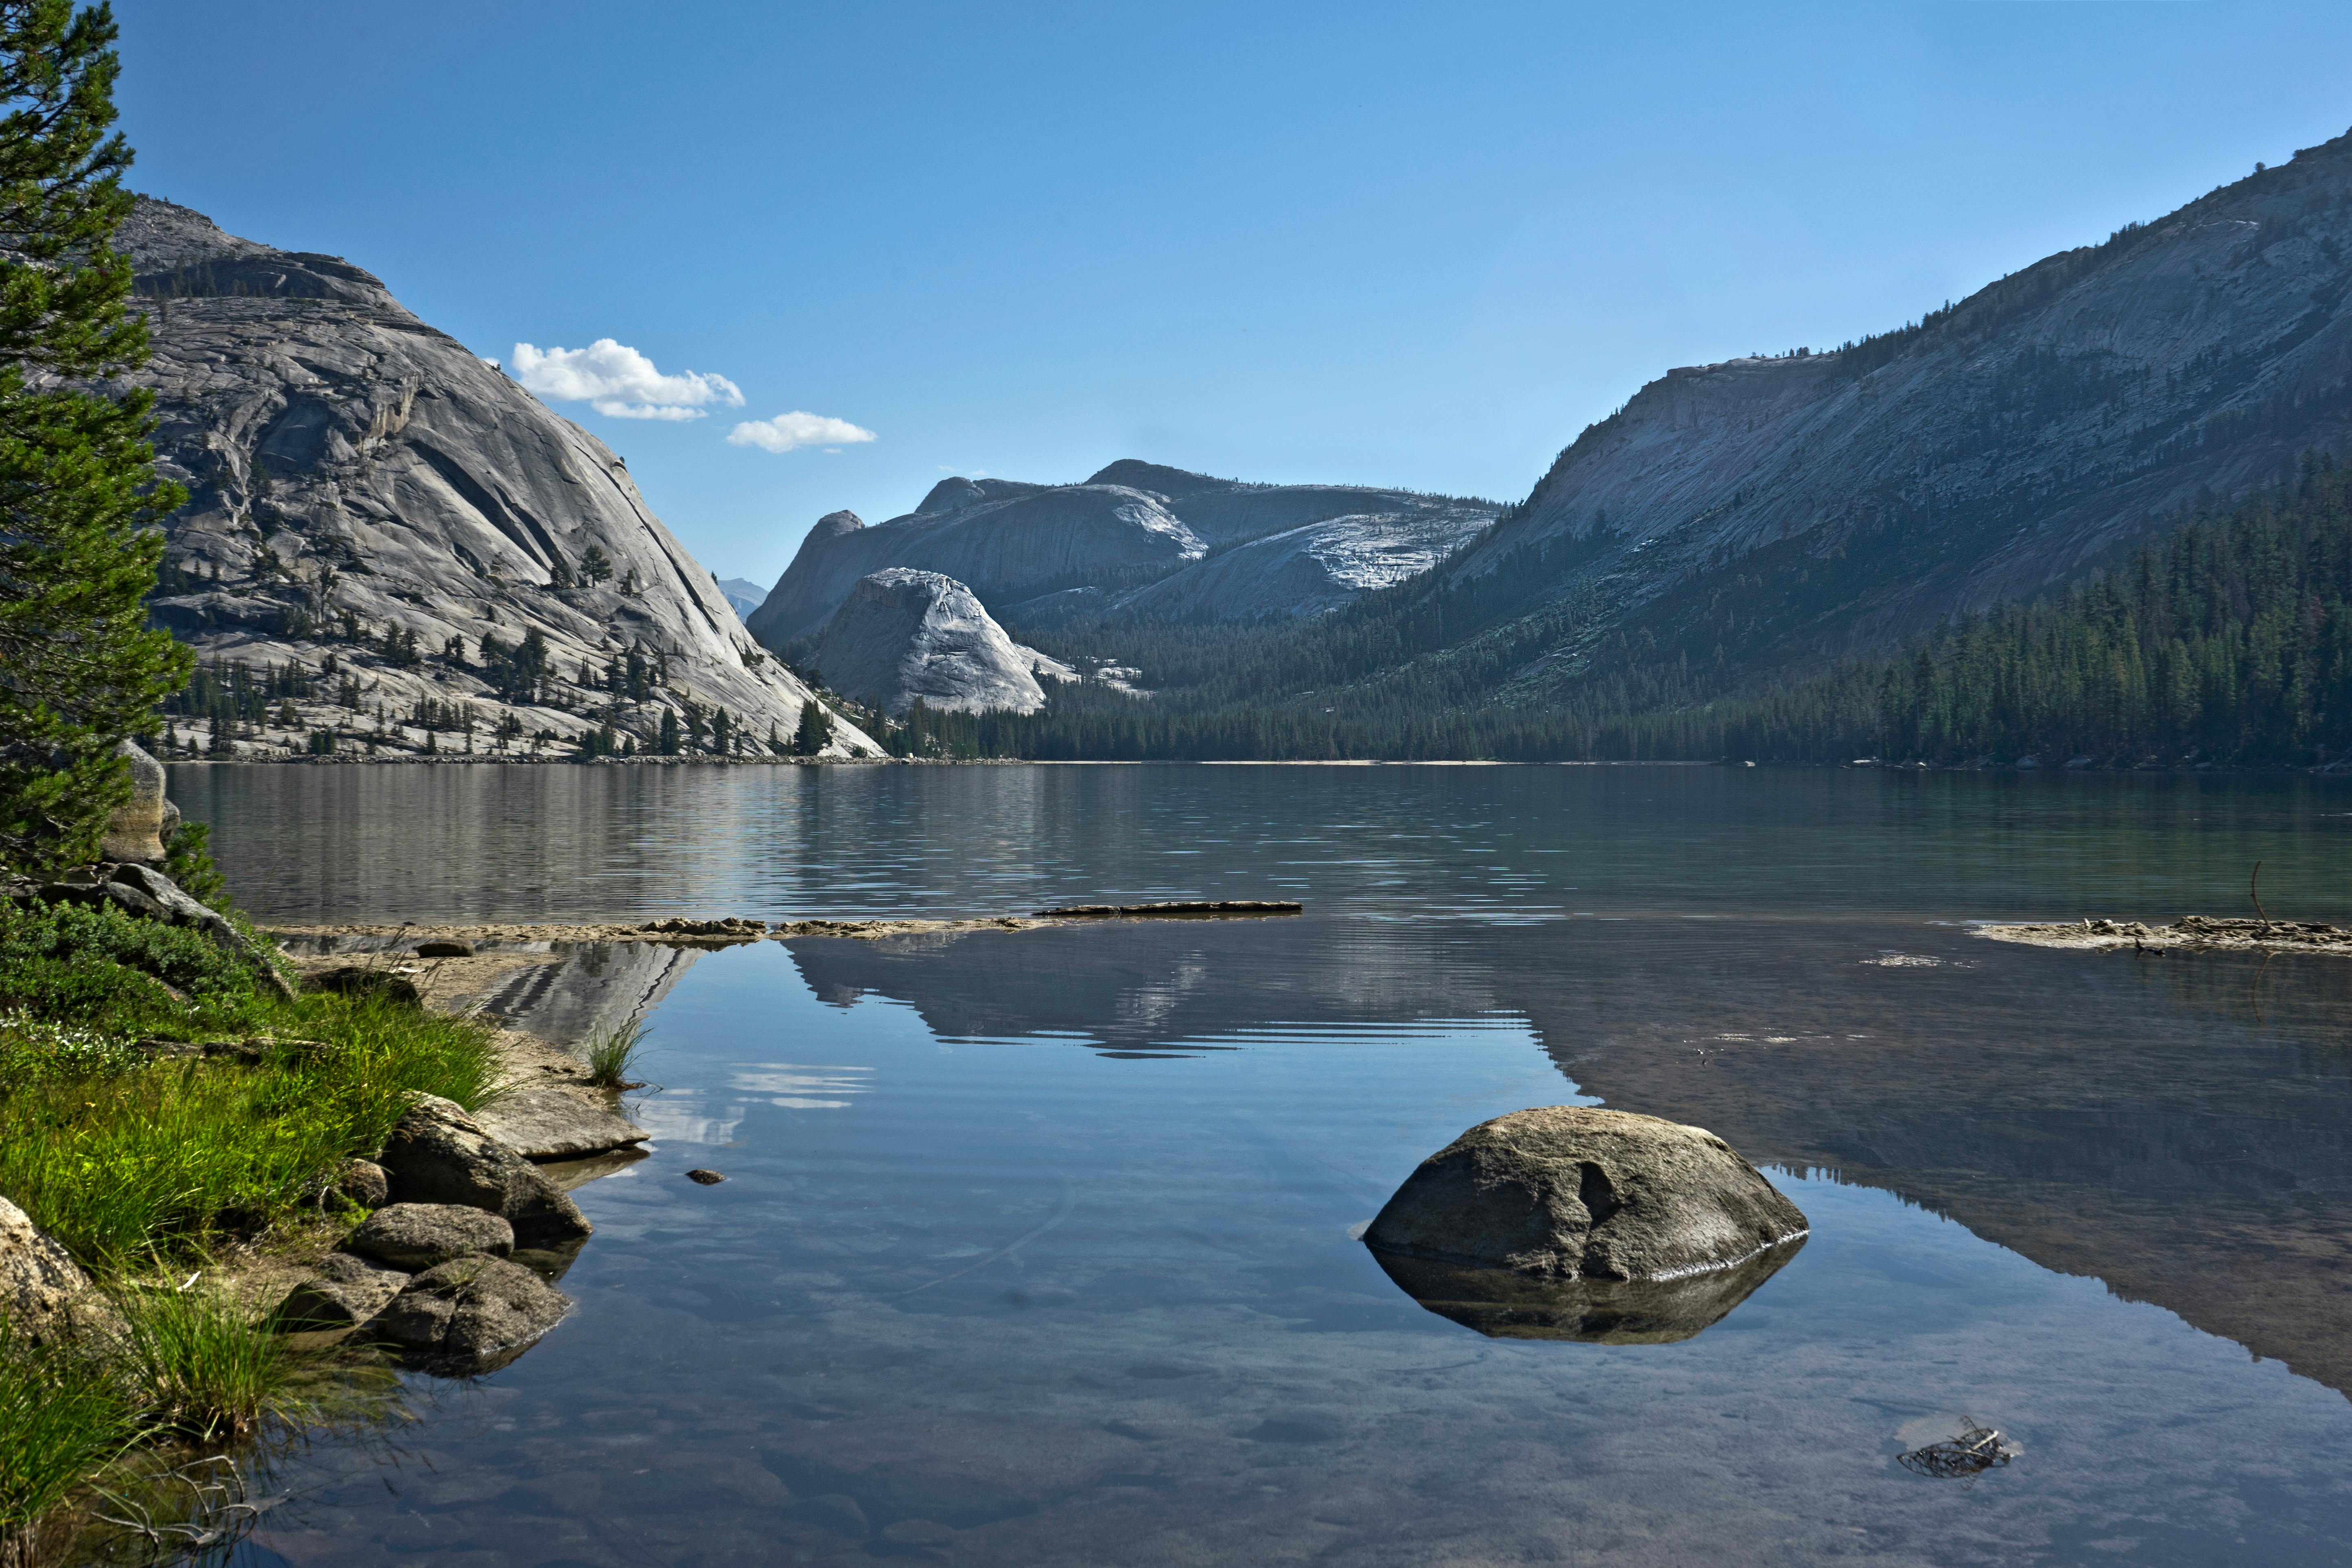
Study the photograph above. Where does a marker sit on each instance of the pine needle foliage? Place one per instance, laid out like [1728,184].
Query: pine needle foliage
[79,667]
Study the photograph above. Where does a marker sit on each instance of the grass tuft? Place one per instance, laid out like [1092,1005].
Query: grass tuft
[200,1366]
[63,1416]
[613,1053]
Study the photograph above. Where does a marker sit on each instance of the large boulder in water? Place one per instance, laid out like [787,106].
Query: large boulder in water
[1568,1192]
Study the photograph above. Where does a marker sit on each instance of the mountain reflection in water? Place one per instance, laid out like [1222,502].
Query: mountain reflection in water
[1037,1247]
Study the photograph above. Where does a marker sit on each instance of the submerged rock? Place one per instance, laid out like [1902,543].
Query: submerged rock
[415,1236]
[470,1315]
[345,1293]
[558,1124]
[1505,1304]
[41,1287]
[1572,1192]
[439,1154]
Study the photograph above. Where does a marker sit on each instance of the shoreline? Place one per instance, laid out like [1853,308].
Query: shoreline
[2190,933]
[462,758]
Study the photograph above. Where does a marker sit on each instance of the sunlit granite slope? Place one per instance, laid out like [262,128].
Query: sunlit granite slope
[905,636]
[363,488]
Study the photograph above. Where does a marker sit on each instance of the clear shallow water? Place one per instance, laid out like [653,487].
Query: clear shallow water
[1036,1247]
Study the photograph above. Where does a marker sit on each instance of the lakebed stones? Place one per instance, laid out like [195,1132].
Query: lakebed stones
[345,1292]
[702,1178]
[445,948]
[470,1315]
[439,1154]
[558,1124]
[41,1287]
[1569,1193]
[415,1236]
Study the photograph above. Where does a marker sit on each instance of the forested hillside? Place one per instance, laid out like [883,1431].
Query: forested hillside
[2228,640]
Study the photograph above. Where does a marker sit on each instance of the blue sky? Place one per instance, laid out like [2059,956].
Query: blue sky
[1417,245]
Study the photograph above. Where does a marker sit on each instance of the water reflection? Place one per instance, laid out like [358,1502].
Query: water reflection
[1504,1304]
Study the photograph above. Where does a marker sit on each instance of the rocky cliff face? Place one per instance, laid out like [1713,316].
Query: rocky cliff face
[414,537]
[2011,442]
[904,635]
[1090,548]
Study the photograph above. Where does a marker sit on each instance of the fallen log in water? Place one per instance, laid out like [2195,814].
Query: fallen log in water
[1175,910]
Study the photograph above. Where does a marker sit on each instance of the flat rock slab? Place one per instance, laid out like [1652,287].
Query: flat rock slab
[413,1236]
[1569,1192]
[559,1123]
[2189,931]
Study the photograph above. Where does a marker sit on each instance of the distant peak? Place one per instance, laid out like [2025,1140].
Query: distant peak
[1138,474]
[954,493]
[838,523]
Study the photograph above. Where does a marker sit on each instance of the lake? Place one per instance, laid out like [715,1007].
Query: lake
[1038,1247]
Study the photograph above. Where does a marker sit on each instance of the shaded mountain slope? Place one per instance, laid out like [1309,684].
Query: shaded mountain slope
[1782,507]
[368,495]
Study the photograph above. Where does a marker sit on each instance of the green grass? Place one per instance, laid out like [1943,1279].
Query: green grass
[138,1162]
[613,1053]
[64,1414]
[129,1163]
[200,1367]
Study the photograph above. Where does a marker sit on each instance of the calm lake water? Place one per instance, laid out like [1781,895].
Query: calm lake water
[1037,1246]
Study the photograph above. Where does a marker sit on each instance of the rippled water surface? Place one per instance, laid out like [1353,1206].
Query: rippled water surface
[1036,1247]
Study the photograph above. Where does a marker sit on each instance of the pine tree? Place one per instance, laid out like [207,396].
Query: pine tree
[78,499]
[815,731]
[668,743]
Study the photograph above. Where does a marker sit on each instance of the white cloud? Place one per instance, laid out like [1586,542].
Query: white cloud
[617,381]
[786,431]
